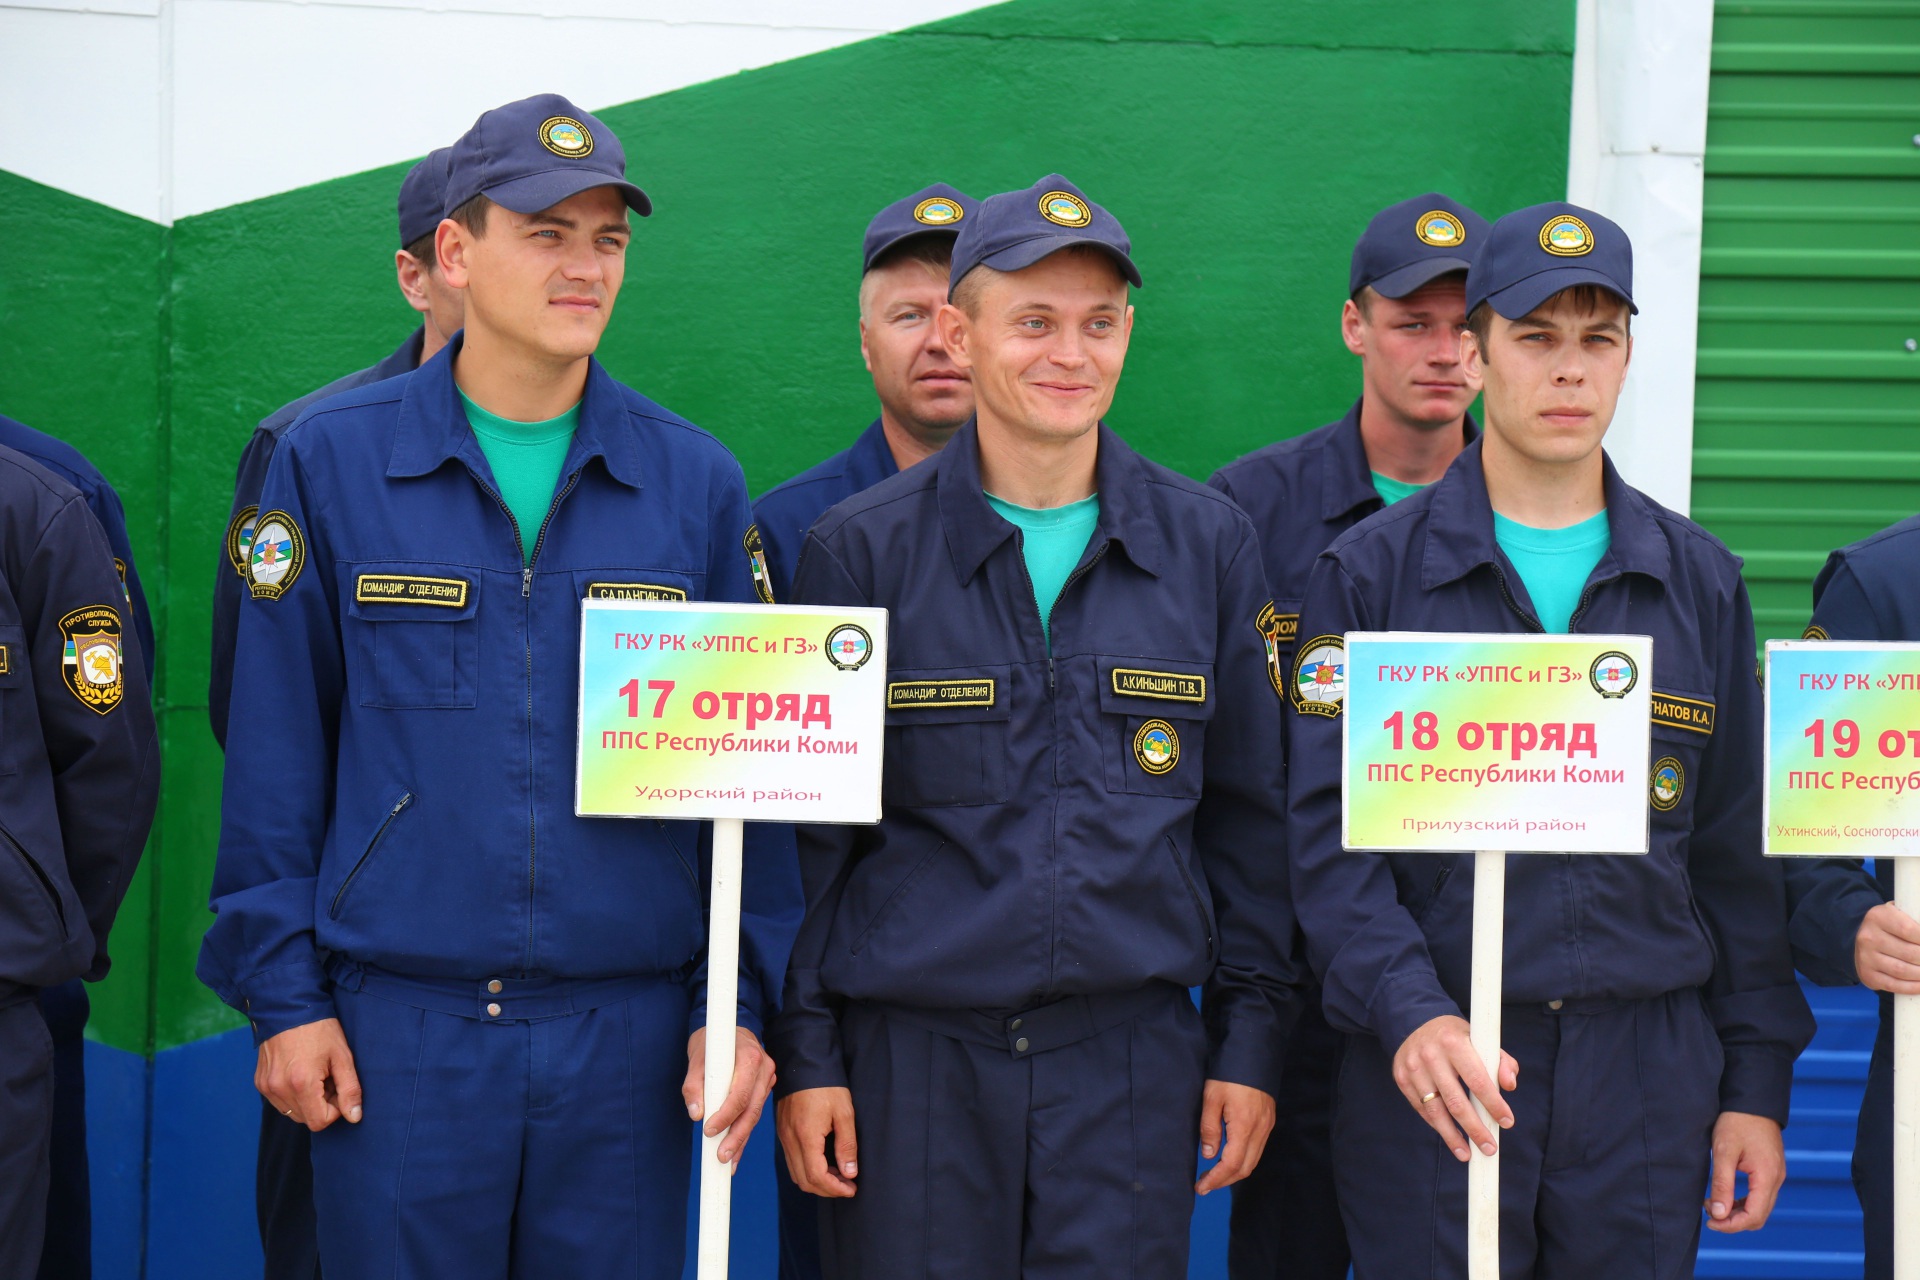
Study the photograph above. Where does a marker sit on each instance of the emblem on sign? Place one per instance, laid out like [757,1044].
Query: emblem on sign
[1320,676]
[1667,783]
[1157,747]
[1613,674]
[1441,230]
[848,646]
[938,212]
[91,660]
[275,556]
[565,136]
[1065,209]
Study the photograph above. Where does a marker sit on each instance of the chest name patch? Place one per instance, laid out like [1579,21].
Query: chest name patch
[401,588]
[1682,713]
[1175,686]
[904,694]
[632,591]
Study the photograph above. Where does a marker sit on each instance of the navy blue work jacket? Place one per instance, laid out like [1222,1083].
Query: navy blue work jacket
[1301,494]
[1866,591]
[79,762]
[71,465]
[1391,934]
[229,581]
[1082,821]
[786,511]
[400,767]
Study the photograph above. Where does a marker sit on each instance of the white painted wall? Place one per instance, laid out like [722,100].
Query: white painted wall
[1636,153]
[169,108]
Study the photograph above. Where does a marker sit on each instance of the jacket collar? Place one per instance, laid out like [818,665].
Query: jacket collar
[870,457]
[1460,534]
[1346,477]
[405,357]
[974,530]
[432,428]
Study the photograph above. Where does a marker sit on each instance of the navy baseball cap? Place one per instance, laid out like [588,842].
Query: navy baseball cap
[1414,243]
[1016,229]
[423,195]
[937,211]
[1534,253]
[532,154]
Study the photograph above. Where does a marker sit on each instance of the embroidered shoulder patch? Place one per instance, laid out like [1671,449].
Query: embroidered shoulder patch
[1666,784]
[1320,676]
[1815,631]
[1174,686]
[903,694]
[1156,747]
[757,557]
[240,538]
[402,588]
[275,556]
[632,591]
[1682,713]
[90,663]
[1277,631]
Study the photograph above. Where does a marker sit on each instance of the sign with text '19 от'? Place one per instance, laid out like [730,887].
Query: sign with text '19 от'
[1843,749]
[703,710]
[1526,744]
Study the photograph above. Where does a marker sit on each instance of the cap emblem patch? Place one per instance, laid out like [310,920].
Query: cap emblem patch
[1063,208]
[1566,237]
[565,136]
[938,212]
[1441,230]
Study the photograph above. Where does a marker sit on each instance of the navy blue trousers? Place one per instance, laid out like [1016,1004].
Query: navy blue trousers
[1286,1215]
[68,1251]
[1602,1174]
[1873,1151]
[799,1213]
[283,1198]
[531,1145]
[1073,1156]
[26,1127]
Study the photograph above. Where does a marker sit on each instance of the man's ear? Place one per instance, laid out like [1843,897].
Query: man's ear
[952,322]
[1351,323]
[412,277]
[452,244]
[1472,361]
[866,357]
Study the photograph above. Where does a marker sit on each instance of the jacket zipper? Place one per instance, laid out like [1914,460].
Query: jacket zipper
[340,895]
[1506,594]
[1193,892]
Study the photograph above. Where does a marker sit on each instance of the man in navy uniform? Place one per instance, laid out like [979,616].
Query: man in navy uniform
[1405,311]
[989,1061]
[493,994]
[68,1253]
[1677,958]
[79,777]
[1844,924]
[923,397]
[283,1166]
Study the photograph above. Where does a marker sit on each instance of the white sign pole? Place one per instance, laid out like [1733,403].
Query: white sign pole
[723,995]
[1483,1170]
[1906,1097]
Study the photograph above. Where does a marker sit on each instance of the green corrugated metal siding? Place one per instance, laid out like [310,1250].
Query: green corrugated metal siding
[1807,419]
[1807,427]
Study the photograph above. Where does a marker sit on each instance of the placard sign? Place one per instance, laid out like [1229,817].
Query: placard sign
[1843,749]
[1525,744]
[704,710]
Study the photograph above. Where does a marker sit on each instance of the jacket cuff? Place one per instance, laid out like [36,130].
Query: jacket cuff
[1757,1079]
[745,1015]
[1405,1003]
[1248,1052]
[806,1053]
[276,1000]
[1823,940]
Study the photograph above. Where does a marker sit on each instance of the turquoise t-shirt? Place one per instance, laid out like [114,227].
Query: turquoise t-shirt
[1391,490]
[1554,563]
[1052,542]
[526,458]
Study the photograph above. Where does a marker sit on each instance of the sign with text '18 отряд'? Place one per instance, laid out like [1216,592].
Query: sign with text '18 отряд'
[1843,749]
[692,710]
[1514,743]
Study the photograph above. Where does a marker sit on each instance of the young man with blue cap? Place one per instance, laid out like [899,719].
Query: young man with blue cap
[493,994]
[1405,311]
[923,398]
[1651,1015]
[988,1058]
[1843,922]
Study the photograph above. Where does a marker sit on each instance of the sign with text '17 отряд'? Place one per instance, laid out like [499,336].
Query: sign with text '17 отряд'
[1843,749]
[692,710]
[1515,743]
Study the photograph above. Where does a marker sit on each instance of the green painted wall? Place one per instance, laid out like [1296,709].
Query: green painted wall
[1243,144]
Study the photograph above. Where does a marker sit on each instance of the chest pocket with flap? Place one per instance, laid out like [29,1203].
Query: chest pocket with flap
[417,631]
[1153,715]
[947,736]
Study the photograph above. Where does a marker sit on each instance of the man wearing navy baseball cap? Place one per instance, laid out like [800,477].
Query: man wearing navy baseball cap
[488,1010]
[1406,308]
[989,1061]
[923,397]
[1677,958]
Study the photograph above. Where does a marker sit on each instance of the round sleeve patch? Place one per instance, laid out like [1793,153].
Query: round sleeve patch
[275,556]
[1320,676]
[90,663]
[240,538]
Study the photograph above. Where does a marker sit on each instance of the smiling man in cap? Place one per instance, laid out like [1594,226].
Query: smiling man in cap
[488,1010]
[989,1061]
[1651,1015]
